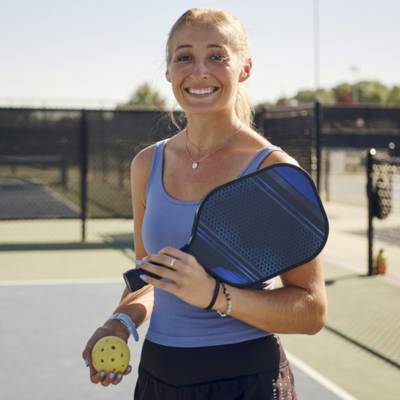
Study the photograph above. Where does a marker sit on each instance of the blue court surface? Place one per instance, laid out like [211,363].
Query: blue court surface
[45,325]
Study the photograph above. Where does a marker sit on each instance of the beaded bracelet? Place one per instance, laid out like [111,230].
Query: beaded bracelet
[216,292]
[228,297]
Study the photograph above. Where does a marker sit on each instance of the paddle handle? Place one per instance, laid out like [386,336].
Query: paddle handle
[133,281]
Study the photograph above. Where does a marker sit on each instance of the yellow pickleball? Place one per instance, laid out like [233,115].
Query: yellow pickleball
[111,354]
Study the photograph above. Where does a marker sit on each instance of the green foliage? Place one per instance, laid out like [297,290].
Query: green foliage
[364,92]
[394,96]
[308,96]
[372,92]
[144,97]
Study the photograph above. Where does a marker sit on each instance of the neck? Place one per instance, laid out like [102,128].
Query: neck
[206,132]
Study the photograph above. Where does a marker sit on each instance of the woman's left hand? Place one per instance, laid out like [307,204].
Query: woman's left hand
[187,279]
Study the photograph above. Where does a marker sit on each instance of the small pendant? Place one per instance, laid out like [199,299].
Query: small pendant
[195,165]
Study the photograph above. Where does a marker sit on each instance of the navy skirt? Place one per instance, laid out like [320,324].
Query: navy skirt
[253,370]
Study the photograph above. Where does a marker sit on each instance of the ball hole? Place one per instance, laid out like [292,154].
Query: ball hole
[102,361]
[122,355]
[102,349]
[113,347]
[113,359]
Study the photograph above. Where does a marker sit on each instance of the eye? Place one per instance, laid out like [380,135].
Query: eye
[219,57]
[183,57]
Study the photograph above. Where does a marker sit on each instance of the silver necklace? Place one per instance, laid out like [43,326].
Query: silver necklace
[196,163]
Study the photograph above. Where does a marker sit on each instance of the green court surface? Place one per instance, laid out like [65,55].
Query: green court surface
[358,351]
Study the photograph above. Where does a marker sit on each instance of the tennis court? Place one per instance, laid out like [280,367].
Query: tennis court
[56,290]
[25,198]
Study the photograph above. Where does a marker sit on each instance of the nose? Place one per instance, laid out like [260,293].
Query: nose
[199,70]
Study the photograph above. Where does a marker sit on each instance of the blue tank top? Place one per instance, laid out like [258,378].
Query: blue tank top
[168,222]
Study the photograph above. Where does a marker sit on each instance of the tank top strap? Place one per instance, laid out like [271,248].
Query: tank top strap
[257,160]
[157,162]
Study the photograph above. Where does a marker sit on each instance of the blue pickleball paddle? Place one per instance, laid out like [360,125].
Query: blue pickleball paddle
[255,227]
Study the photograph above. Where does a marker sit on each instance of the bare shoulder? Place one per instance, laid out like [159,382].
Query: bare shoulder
[141,164]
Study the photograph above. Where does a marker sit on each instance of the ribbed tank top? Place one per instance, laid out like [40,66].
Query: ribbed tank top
[168,222]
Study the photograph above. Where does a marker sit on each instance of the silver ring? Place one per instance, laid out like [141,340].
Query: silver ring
[172,261]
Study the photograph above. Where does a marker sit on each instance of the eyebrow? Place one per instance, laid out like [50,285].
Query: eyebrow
[210,46]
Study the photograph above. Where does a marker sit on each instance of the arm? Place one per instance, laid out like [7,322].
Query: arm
[137,305]
[299,306]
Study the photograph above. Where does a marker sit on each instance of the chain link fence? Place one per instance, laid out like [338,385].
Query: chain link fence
[384,215]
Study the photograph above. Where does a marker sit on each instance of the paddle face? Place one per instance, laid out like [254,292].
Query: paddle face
[256,227]
[259,226]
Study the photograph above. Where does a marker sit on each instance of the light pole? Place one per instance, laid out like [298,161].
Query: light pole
[317,103]
[316,50]
[355,69]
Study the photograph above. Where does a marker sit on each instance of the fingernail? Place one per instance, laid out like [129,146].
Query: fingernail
[119,376]
[87,362]
[144,258]
[102,373]
[129,369]
[143,277]
[112,375]
[138,262]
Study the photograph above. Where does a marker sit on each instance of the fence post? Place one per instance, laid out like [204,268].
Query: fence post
[370,161]
[84,168]
[318,129]
[327,172]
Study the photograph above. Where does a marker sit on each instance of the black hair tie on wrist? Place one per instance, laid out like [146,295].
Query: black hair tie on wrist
[216,292]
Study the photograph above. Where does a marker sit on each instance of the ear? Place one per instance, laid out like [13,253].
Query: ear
[246,69]
[168,75]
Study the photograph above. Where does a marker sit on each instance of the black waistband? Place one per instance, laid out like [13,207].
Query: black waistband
[180,366]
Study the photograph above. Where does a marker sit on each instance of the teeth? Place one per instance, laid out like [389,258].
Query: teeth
[201,91]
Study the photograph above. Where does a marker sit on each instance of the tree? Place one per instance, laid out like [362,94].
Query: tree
[308,96]
[343,94]
[372,92]
[394,96]
[144,97]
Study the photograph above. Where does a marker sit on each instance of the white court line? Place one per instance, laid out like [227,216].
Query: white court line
[38,282]
[319,378]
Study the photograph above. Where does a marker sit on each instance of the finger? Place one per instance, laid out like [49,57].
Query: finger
[119,375]
[128,370]
[159,283]
[159,269]
[180,255]
[165,260]
[96,377]
[111,378]
[173,252]
[87,354]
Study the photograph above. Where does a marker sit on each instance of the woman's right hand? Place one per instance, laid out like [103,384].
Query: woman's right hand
[110,328]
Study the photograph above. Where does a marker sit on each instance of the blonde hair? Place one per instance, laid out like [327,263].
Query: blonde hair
[237,40]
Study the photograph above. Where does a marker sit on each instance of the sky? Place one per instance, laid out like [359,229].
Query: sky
[96,53]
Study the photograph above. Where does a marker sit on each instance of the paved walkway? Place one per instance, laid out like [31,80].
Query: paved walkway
[358,350]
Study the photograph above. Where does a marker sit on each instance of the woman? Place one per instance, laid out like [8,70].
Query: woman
[190,351]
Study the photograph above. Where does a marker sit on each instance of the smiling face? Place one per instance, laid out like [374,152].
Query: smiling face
[204,70]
